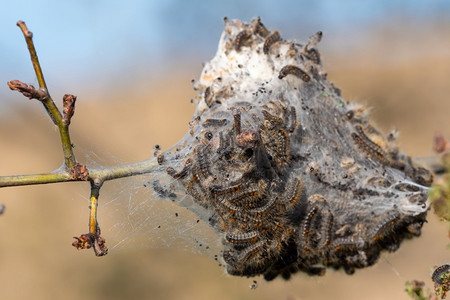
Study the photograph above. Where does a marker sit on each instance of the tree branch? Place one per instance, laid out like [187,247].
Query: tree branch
[95,175]
[34,58]
[19,180]
[44,97]
[70,170]
[98,242]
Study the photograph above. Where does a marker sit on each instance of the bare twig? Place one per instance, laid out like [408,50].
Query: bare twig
[34,58]
[96,175]
[100,248]
[71,170]
[52,177]
[44,97]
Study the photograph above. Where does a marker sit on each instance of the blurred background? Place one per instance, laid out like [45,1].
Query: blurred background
[130,64]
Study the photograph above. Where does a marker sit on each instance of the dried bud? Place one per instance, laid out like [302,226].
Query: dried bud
[68,107]
[80,172]
[28,90]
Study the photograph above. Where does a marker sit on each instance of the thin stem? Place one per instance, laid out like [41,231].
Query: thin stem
[69,157]
[50,106]
[34,58]
[96,175]
[93,239]
[98,242]
[104,174]
[95,193]
[18,180]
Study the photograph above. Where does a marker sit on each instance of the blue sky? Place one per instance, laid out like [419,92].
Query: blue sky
[80,41]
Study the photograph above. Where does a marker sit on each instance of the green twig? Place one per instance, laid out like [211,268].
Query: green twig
[52,109]
[34,58]
[18,180]
[98,242]
[95,175]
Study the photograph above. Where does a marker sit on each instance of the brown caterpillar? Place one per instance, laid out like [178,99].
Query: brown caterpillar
[223,146]
[314,40]
[326,230]
[439,272]
[307,223]
[198,194]
[203,163]
[313,55]
[187,166]
[283,145]
[262,211]
[209,96]
[378,232]
[242,238]
[248,199]
[293,119]
[160,159]
[237,121]
[241,38]
[250,252]
[293,191]
[239,196]
[293,70]
[344,244]
[162,191]
[273,120]
[226,191]
[270,40]
[368,146]
[261,29]
[214,122]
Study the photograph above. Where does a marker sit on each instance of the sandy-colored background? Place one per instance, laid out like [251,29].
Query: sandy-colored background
[407,92]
